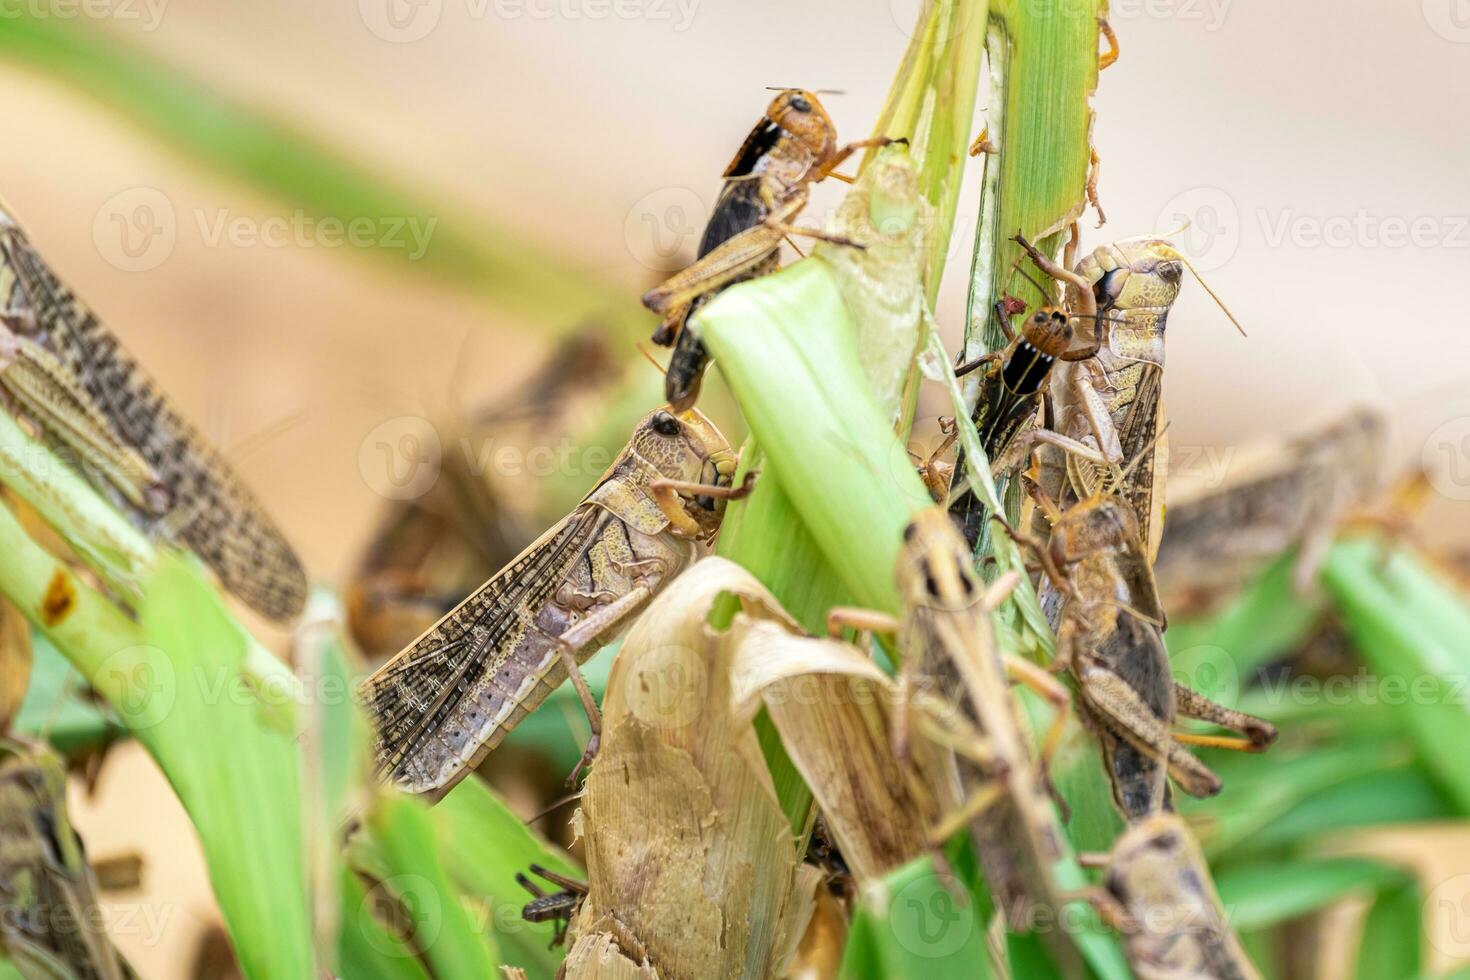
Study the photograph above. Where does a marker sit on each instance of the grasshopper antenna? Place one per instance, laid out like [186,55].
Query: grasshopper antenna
[1176,254]
[648,356]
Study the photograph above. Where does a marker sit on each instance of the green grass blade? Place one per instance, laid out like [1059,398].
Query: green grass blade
[284,160]
[483,844]
[1265,895]
[916,927]
[404,835]
[1411,629]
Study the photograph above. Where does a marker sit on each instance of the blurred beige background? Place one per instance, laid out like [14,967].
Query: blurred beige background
[1320,150]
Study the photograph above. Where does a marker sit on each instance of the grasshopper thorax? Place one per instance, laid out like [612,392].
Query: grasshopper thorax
[799,114]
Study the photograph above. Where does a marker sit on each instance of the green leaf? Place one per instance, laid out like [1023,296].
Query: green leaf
[1391,946]
[55,709]
[1410,627]
[408,845]
[916,926]
[186,697]
[1264,895]
[288,161]
[483,844]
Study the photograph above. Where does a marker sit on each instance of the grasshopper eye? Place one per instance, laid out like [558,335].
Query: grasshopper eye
[665,424]
[800,104]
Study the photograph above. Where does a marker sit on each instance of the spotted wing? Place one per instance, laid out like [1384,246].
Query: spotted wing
[412,695]
[208,507]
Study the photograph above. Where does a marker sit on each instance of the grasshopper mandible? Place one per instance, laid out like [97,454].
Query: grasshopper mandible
[954,688]
[1173,923]
[68,371]
[766,187]
[450,697]
[53,924]
[1110,636]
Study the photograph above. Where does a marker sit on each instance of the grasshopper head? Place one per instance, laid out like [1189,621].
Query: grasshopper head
[1049,331]
[1093,526]
[798,112]
[934,564]
[1155,865]
[685,446]
[1137,273]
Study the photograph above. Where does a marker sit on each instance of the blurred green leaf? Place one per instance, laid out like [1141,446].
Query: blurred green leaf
[286,160]
[405,840]
[1391,946]
[1410,627]
[56,710]
[367,950]
[1264,895]
[483,845]
[916,927]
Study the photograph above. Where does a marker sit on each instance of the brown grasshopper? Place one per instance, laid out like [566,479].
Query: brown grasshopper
[1113,402]
[449,698]
[1110,636]
[1280,494]
[955,686]
[1173,923]
[1011,392]
[52,926]
[766,186]
[68,372]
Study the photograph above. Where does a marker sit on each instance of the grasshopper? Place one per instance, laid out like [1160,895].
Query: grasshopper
[1110,636]
[68,371]
[1012,388]
[955,686]
[1280,495]
[52,926]
[766,186]
[1173,923]
[451,696]
[558,906]
[1113,402]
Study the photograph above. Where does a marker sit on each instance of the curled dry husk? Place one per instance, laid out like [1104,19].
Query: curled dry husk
[692,867]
